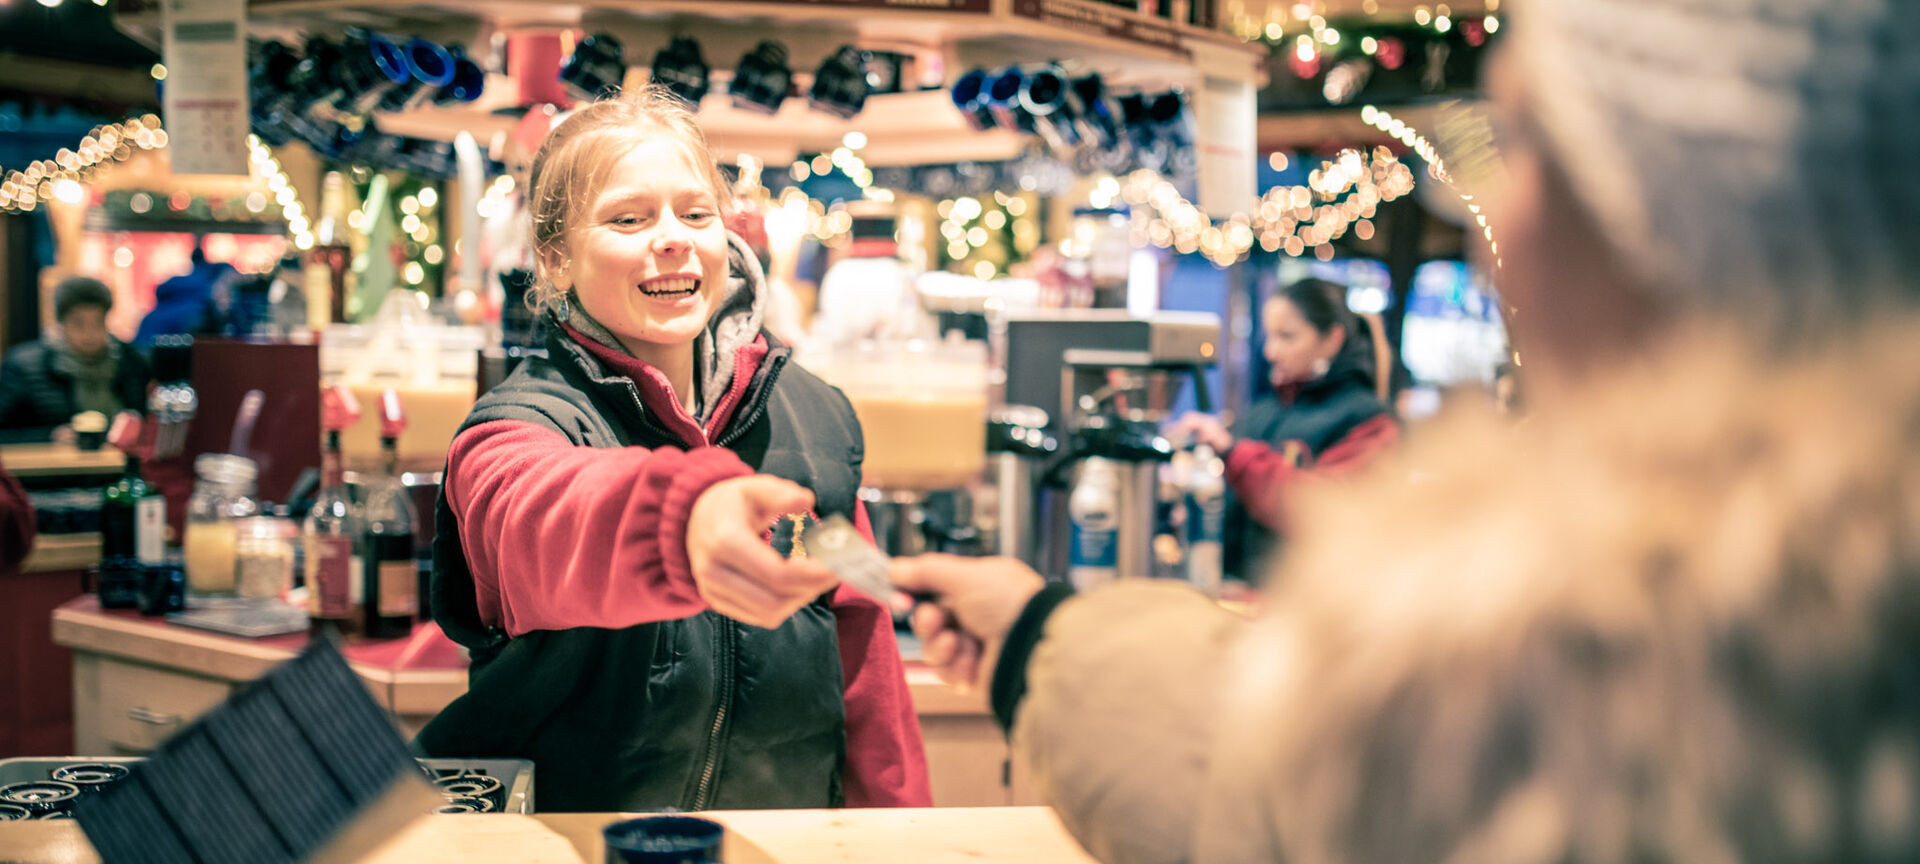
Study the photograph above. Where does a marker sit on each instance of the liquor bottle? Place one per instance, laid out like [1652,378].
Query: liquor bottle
[133,513]
[329,265]
[120,514]
[331,531]
[391,577]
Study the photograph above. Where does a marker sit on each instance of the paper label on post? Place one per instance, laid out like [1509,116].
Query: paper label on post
[206,85]
[1224,117]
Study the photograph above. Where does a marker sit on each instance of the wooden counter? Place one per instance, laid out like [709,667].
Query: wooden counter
[138,679]
[59,460]
[1009,835]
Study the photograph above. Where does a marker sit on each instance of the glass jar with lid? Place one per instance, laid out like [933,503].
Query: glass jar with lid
[222,495]
[263,556]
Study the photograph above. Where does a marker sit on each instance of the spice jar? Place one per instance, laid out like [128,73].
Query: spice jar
[263,556]
[222,495]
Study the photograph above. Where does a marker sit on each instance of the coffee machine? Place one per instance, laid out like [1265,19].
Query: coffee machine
[1110,380]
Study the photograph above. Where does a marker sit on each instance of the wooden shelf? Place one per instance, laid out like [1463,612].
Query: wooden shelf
[56,552]
[59,460]
[1130,50]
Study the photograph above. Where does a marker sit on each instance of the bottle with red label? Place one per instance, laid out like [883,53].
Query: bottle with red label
[332,531]
[391,578]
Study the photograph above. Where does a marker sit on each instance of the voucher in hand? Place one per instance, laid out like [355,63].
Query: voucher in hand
[837,544]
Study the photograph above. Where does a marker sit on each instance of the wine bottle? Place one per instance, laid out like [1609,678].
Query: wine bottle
[391,577]
[332,532]
[120,514]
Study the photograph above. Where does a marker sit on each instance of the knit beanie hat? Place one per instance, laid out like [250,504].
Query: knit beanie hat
[1756,158]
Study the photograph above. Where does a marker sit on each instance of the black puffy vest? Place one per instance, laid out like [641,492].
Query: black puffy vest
[1322,413]
[696,713]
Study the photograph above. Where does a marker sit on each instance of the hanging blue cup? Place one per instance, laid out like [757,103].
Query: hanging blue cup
[370,66]
[970,96]
[466,84]
[1049,99]
[1101,112]
[429,67]
[1003,99]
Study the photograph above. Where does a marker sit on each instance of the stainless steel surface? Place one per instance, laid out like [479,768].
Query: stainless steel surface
[1135,537]
[515,776]
[1036,347]
[1014,507]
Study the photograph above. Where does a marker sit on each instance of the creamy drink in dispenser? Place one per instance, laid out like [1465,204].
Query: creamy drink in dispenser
[922,407]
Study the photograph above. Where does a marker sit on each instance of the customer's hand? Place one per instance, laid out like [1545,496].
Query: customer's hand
[973,603]
[1204,428]
[736,572]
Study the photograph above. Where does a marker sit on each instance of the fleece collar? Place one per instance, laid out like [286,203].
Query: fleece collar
[734,325]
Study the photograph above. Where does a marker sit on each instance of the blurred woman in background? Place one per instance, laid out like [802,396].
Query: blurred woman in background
[1324,418]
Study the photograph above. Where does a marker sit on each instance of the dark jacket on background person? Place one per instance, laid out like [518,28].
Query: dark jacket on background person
[187,304]
[560,562]
[36,396]
[1328,427]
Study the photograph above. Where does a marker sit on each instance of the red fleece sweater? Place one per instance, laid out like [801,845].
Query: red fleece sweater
[559,536]
[1262,475]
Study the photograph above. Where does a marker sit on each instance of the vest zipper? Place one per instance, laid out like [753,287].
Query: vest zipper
[704,792]
[741,423]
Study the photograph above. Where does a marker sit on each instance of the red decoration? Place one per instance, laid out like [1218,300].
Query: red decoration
[1474,31]
[1304,68]
[1391,52]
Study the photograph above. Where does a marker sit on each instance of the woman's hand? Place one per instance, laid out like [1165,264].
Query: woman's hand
[973,603]
[1204,428]
[734,569]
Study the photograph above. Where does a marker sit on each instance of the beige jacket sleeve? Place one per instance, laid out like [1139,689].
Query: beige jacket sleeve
[1118,724]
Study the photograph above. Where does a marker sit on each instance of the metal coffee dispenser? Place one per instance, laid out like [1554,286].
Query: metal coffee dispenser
[1115,379]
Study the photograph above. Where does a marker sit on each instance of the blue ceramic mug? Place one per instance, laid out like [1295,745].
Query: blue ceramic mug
[663,840]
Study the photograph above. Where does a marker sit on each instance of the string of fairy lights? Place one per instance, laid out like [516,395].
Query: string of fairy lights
[60,178]
[1280,18]
[283,192]
[1418,143]
[1340,195]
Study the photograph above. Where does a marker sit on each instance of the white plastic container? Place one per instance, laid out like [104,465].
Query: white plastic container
[432,365]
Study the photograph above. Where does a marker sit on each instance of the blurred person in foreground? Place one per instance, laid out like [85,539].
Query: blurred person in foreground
[77,367]
[1323,421]
[1673,618]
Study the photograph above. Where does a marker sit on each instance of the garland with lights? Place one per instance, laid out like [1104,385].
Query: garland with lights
[61,176]
[1341,195]
[1406,134]
[1315,63]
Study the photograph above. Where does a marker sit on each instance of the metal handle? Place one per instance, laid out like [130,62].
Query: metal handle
[142,715]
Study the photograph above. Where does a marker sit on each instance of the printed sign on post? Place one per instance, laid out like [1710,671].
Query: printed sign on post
[206,85]
[1224,117]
